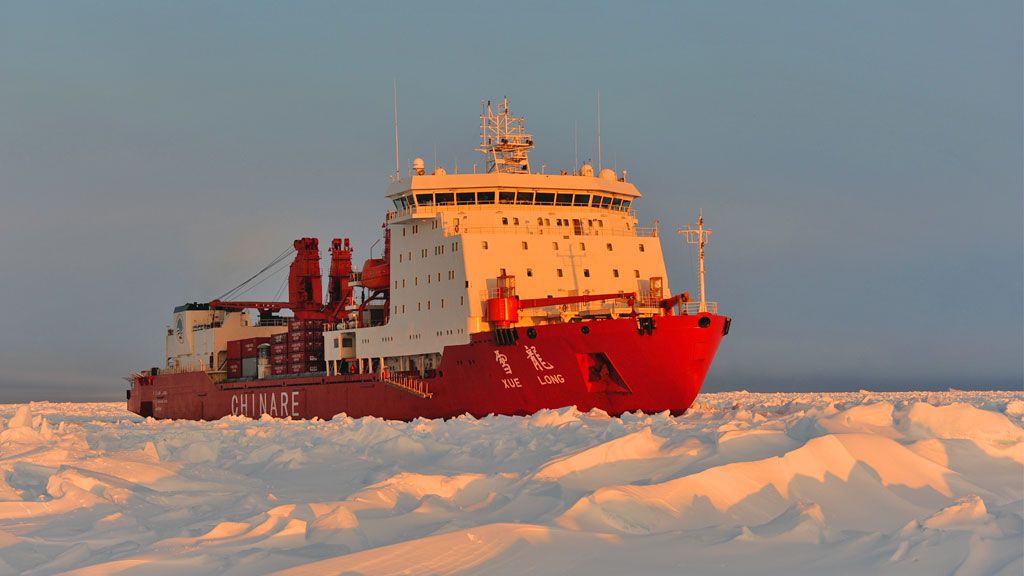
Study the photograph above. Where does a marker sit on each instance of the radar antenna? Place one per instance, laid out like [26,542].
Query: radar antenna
[699,236]
[504,141]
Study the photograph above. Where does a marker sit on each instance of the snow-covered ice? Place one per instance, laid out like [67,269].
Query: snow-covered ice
[843,483]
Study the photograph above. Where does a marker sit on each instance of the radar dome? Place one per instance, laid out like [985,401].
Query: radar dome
[608,174]
[440,171]
[586,170]
[418,166]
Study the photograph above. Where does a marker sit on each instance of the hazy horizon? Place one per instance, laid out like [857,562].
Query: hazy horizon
[861,166]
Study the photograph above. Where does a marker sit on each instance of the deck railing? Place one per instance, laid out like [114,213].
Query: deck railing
[408,384]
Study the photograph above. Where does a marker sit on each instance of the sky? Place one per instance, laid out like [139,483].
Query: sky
[860,164]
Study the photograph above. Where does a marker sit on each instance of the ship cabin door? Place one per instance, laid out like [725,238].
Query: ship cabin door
[577,227]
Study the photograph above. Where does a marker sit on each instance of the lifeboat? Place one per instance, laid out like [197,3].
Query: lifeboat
[376,274]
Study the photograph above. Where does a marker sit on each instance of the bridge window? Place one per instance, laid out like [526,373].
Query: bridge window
[545,198]
[595,201]
[616,203]
[581,200]
[524,198]
[506,197]
[606,201]
[485,197]
[463,198]
[425,199]
[445,198]
[563,200]
[625,205]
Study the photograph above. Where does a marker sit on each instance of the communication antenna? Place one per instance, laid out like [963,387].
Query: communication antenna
[699,235]
[576,147]
[398,169]
[599,165]
[504,141]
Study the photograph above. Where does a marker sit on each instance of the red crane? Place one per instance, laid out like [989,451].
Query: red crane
[305,288]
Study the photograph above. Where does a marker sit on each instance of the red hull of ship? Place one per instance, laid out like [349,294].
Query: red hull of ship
[608,364]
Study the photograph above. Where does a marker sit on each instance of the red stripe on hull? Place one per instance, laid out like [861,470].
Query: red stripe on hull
[606,364]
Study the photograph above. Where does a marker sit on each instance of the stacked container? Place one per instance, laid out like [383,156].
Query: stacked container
[305,347]
[234,363]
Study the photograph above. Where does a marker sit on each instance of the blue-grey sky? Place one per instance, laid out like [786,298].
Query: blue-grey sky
[860,162]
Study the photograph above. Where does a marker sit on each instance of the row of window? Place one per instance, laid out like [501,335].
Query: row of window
[400,308]
[429,277]
[586,273]
[576,222]
[554,245]
[439,250]
[519,198]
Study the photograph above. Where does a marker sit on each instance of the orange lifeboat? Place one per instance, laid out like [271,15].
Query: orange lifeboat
[376,274]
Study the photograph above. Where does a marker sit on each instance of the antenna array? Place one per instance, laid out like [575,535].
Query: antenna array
[504,140]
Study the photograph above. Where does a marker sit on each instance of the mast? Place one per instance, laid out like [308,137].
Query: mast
[398,170]
[504,141]
[699,236]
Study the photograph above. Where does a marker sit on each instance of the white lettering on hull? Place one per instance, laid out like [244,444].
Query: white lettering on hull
[256,404]
[547,379]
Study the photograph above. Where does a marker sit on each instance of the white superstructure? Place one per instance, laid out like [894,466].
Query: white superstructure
[453,235]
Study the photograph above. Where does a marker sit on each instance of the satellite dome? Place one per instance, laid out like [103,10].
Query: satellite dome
[608,174]
[587,170]
[418,166]
[439,171]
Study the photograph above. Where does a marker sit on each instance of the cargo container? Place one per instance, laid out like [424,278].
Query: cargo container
[234,368]
[296,324]
[276,349]
[234,350]
[279,338]
[250,346]
[277,359]
[295,357]
[297,368]
[300,346]
[279,369]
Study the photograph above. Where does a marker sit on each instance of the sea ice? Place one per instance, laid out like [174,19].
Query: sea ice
[845,483]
